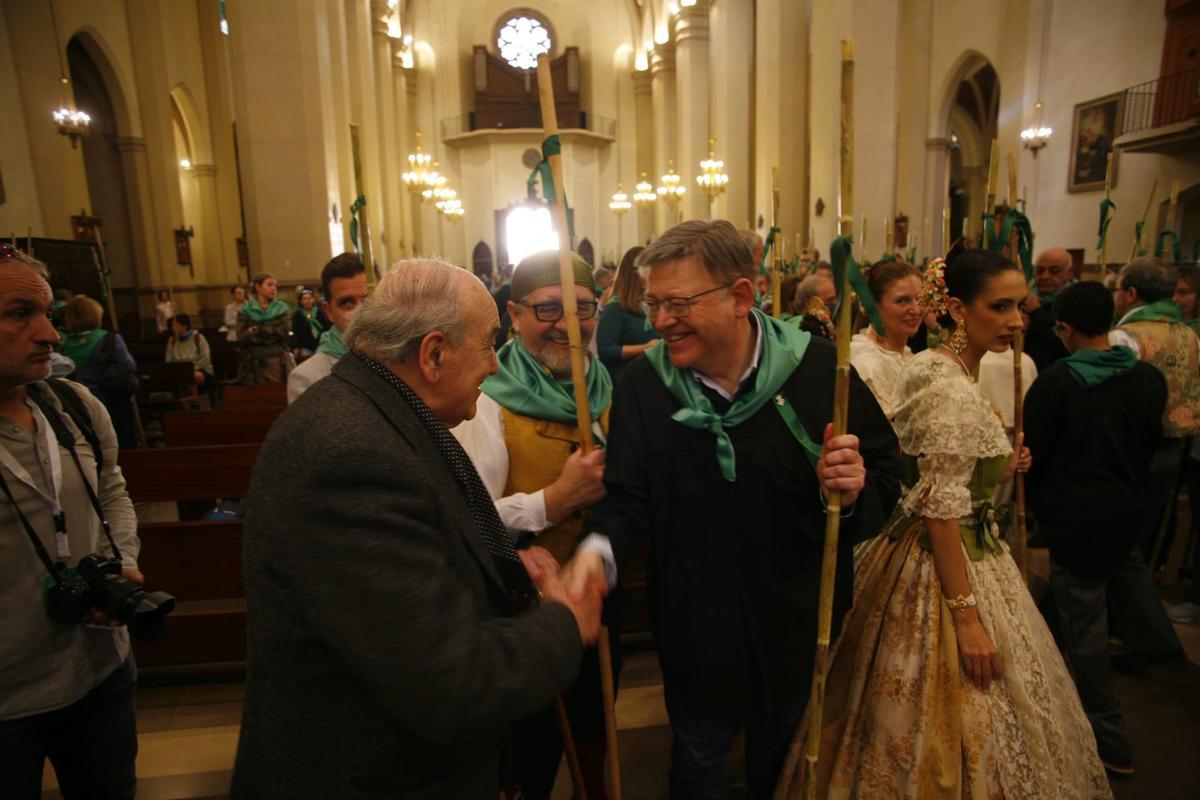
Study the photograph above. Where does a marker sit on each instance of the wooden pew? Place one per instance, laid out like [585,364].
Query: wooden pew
[269,395]
[199,562]
[222,426]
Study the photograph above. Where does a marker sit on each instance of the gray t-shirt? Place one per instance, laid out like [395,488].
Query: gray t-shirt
[45,665]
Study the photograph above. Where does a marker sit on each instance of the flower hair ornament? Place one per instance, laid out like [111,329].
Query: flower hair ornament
[933,293]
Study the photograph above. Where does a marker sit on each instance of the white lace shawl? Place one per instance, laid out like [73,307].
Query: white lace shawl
[947,424]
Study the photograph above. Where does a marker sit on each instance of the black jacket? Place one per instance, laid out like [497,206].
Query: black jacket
[1091,462]
[734,567]
[384,660]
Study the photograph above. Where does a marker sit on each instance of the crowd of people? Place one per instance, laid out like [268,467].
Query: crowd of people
[411,624]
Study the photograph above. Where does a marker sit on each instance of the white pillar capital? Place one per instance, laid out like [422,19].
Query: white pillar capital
[662,59]
[692,23]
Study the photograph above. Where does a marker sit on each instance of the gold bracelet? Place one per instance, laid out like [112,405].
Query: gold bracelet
[961,602]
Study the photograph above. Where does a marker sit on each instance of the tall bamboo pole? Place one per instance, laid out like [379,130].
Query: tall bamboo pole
[989,197]
[1137,239]
[945,232]
[1104,243]
[582,414]
[1020,548]
[841,404]
[1172,203]
[862,239]
[364,215]
[777,260]
[889,238]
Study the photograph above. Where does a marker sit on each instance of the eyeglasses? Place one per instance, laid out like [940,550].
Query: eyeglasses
[1053,272]
[553,312]
[677,307]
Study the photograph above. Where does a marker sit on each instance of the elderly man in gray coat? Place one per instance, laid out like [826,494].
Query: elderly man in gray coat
[394,632]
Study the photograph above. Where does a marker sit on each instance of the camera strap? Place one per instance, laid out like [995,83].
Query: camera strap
[44,556]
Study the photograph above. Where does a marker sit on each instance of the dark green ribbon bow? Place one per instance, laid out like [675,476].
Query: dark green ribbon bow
[355,207]
[770,243]
[846,268]
[1014,219]
[1106,206]
[1137,233]
[551,146]
[1161,246]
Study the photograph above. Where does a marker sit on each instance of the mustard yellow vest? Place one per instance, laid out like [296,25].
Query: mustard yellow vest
[537,451]
[1174,349]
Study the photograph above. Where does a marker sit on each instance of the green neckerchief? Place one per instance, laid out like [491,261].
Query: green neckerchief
[1159,311]
[79,346]
[314,324]
[525,387]
[257,313]
[1049,298]
[783,350]
[331,343]
[1094,367]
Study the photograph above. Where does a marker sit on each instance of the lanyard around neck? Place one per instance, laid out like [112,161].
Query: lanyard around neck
[44,443]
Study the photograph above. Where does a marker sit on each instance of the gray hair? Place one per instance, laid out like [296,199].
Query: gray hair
[715,243]
[1153,278]
[808,288]
[18,256]
[416,296]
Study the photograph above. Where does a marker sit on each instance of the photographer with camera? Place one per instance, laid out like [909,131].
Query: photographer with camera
[68,569]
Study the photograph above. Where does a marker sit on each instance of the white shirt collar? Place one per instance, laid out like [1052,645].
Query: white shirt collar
[758,348]
[1130,313]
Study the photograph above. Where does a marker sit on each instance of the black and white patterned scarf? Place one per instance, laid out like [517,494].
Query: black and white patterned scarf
[483,510]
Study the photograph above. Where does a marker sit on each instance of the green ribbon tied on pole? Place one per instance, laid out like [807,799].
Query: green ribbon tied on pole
[355,207]
[1015,220]
[1137,234]
[1106,207]
[794,267]
[1160,246]
[846,268]
[767,247]
[551,146]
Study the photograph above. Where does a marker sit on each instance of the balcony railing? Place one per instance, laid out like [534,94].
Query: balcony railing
[530,118]
[1168,100]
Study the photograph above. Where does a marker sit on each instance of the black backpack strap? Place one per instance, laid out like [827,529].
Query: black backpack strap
[74,407]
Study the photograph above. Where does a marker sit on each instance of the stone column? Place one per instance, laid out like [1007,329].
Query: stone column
[389,167]
[937,192]
[404,145]
[732,43]
[646,160]
[132,152]
[782,129]
[214,269]
[662,89]
[692,94]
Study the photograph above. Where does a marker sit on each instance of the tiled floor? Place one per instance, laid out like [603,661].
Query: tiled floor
[188,727]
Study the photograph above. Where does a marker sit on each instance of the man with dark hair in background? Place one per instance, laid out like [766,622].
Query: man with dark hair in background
[343,290]
[1092,422]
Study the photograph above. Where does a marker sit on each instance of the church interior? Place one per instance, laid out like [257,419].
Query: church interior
[186,145]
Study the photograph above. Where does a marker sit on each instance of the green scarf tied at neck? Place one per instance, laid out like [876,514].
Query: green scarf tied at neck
[783,349]
[525,387]
[1094,367]
[314,323]
[1165,310]
[257,313]
[80,345]
[331,343]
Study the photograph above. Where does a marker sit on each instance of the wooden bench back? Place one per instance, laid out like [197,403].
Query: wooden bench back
[271,395]
[222,426]
[188,473]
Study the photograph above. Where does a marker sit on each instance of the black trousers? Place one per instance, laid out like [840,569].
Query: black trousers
[92,744]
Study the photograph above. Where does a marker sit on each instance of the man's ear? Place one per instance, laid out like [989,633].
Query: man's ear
[430,355]
[511,307]
[742,291]
[325,307]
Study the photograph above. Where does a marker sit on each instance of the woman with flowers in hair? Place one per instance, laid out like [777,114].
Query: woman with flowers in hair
[946,682]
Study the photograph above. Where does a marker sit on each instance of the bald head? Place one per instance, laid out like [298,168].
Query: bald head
[1053,270]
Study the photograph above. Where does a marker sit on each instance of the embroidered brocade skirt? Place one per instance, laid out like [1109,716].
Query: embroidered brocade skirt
[901,720]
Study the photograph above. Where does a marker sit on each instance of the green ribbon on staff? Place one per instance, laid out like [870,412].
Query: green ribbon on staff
[1160,246]
[770,243]
[1137,235]
[794,267]
[1015,220]
[845,267]
[1106,206]
[551,146]
[359,203]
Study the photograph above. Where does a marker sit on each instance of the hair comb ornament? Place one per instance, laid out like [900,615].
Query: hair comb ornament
[933,293]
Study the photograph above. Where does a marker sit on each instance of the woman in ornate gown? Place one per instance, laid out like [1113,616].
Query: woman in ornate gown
[878,358]
[945,682]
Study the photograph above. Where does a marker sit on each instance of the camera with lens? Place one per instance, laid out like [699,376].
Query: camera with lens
[97,582]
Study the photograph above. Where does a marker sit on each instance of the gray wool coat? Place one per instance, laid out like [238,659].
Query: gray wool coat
[385,658]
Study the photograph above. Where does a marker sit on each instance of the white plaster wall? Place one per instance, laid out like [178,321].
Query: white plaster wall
[20,210]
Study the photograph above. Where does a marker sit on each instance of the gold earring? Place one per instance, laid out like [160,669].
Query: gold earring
[957,343]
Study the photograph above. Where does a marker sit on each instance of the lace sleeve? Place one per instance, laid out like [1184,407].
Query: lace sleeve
[942,491]
[942,411]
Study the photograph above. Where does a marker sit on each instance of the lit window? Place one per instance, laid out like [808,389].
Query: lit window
[529,230]
[522,40]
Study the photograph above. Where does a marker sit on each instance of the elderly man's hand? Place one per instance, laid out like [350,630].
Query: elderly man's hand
[841,467]
[584,572]
[585,605]
[539,563]
[98,617]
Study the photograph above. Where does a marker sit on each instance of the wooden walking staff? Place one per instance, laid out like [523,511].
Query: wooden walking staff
[945,232]
[777,261]
[1020,543]
[364,244]
[989,198]
[1103,223]
[841,402]
[582,415]
[1140,228]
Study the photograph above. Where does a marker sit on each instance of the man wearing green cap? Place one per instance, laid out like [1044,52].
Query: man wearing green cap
[523,442]
[721,454]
